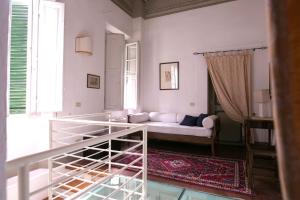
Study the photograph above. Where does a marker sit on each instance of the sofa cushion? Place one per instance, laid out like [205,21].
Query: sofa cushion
[163,117]
[154,116]
[189,121]
[175,128]
[138,118]
[200,119]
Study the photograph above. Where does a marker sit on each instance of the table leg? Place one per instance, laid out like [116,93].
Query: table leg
[269,137]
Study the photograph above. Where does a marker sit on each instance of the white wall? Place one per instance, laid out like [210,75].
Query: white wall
[88,17]
[3,85]
[260,74]
[233,25]
[27,135]
[137,29]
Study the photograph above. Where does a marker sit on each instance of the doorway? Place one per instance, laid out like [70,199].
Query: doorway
[230,131]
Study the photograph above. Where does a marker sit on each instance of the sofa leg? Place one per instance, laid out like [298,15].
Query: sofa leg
[213,149]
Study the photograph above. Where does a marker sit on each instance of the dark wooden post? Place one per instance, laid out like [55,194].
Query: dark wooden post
[284,32]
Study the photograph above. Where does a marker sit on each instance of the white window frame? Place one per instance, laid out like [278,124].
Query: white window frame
[57,106]
[136,75]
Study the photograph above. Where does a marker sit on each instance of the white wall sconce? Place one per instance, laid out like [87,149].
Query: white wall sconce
[83,44]
[262,97]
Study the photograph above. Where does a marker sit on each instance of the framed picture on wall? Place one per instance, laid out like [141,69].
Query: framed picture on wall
[169,76]
[93,81]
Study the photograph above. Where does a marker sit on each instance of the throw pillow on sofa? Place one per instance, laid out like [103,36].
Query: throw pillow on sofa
[189,121]
[138,118]
[200,119]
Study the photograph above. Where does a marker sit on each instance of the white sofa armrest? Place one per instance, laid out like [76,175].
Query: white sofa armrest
[210,121]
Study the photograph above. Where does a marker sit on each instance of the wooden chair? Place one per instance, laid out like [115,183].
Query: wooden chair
[255,149]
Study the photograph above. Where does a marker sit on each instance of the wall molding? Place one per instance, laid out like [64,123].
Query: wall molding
[156,8]
[125,5]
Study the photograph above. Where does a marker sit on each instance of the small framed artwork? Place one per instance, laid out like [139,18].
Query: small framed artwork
[169,76]
[93,81]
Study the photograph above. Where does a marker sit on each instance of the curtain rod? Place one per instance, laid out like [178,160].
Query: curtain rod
[202,53]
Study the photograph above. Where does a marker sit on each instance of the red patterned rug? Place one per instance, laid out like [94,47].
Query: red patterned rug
[225,174]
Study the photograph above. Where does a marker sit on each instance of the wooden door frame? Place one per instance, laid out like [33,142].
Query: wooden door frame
[284,40]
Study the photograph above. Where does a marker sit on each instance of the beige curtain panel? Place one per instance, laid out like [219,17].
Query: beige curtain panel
[230,74]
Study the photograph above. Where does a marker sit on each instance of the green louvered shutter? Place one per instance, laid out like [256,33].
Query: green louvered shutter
[18,58]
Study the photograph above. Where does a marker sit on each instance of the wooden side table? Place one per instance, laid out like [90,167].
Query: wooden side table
[260,123]
[254,148]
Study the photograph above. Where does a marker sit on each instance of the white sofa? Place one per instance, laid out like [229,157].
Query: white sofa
[166,126]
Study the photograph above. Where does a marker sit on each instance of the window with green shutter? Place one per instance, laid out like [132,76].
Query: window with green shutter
[36,34]
[18,58]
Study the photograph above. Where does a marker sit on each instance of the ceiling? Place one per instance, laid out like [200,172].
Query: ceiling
[155,8]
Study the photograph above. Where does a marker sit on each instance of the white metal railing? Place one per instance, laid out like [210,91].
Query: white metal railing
[92,167]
